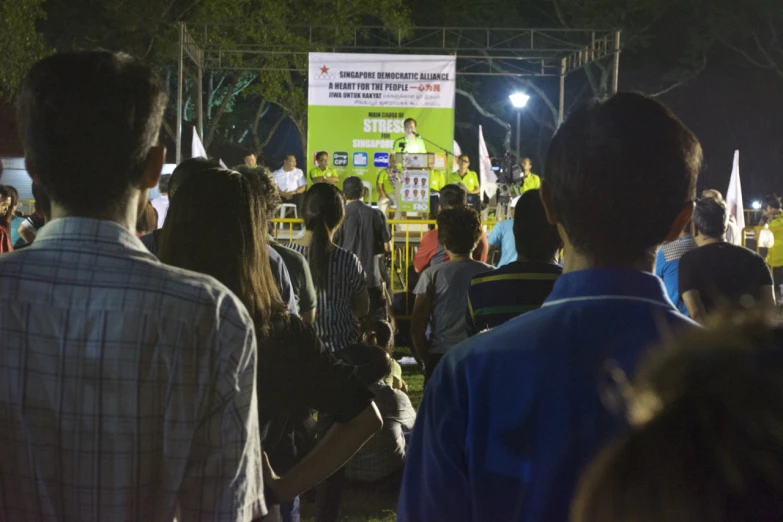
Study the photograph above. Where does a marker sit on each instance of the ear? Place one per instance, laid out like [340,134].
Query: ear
[153,167]
[549,208]
[683,218]
[32,171]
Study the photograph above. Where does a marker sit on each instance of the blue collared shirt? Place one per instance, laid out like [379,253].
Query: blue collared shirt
[502,237]
[511,417]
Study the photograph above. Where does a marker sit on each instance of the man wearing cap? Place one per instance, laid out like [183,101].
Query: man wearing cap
[502,237]
[365,233]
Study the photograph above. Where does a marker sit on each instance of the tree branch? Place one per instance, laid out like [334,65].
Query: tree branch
[271,133]
[214,122]
[745,55]
[483,111]
[684,80]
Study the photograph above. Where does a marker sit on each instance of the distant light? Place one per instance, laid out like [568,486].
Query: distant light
[756,205]
[519,99]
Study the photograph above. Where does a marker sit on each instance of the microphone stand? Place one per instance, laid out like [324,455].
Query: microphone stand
[448,152]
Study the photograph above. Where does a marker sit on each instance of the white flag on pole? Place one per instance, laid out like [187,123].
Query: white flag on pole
[197,149]
[734,204]
[487,178]
[457,150]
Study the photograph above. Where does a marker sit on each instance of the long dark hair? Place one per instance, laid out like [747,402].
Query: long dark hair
[216,225]
[7,191]
[324,210]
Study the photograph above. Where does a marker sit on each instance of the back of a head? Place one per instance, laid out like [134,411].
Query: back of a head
[188,168]
[87,121]
[236,222]
[381,334]
[709,443]
[264,184]
[323,211]
[618,174]
[710,217]
[712,193]
[163,184]
[459,229]
[536,238]
[453,195]
[353,188]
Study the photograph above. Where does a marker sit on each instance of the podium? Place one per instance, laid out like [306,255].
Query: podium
[412,175]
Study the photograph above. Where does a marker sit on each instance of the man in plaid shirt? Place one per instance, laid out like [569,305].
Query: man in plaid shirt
[127,388]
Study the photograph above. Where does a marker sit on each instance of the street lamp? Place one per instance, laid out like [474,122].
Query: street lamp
[518,100]
[756,205]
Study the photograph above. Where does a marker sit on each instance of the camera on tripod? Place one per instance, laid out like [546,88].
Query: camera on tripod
[507,169]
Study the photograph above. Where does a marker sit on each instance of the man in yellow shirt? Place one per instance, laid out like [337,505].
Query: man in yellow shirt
[387,195]
[323,173]
[437,180]
[467,178]
[411,143]
[530,181]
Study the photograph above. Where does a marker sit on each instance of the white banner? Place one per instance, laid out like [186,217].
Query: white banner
[382,80]
[487,179]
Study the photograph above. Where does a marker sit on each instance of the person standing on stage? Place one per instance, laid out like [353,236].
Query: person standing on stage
[530,181]
[467,178]
[411,143]
[323,173]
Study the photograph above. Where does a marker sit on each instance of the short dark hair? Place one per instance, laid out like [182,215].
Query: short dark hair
[772,200]
[409,119]
[186,169]
[289,155]
[319,154]
[618,173]
[463,156]
[163,184]
[536,238]
[264,184]
[459,229]
[42,201]
[453,195]
[87,121]
[710,217]
[248,152]
[353,188]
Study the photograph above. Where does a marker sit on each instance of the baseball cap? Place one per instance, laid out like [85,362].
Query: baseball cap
[514,202]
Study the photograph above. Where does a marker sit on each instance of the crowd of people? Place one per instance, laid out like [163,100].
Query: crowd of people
[168,359]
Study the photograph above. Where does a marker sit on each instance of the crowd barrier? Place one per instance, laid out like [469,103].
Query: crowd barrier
[406,236]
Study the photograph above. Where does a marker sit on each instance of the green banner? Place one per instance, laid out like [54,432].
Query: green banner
[358,103]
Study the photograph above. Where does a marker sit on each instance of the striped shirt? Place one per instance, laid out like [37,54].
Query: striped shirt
[334,320]
[502,294]
[127,387]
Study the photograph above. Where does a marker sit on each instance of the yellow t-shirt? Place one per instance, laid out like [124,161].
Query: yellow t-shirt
[414,146]
[532,181]
[316,172]
[383,179]
[471,180]
[775,254]
[437,180]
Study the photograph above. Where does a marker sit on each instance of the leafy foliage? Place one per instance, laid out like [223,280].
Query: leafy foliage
[21,44]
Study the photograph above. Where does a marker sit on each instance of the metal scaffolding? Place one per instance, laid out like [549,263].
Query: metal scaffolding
[526,52]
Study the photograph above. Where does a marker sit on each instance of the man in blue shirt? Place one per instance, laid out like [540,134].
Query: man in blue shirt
[511,417]
[502,237]
[667,266]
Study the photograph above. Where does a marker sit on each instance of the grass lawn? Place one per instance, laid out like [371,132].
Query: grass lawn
[371,502]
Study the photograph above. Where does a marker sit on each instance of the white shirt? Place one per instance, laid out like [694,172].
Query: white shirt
[289,181]
[161,204]
[127,387]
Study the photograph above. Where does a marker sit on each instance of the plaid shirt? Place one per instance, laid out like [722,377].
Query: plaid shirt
[127,387]
[385,452]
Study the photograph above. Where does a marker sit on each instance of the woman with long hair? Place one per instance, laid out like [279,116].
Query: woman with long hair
[338,275]
[9,198]
[295,372]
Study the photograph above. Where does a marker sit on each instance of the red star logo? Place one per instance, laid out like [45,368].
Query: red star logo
[324,69]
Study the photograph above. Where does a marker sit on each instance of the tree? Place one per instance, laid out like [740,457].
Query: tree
[20,42]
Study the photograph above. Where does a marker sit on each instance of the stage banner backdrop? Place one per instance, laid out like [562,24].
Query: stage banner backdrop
[358,102]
